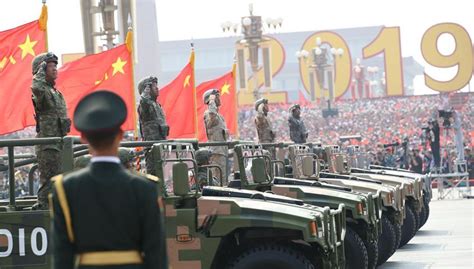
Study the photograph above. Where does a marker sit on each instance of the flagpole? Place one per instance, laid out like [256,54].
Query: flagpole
[191,61]
[129,44]
[236,99]
[43,22]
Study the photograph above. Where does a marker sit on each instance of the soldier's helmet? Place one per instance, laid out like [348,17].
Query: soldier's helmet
[46,57]
[208,93]
[125,155]
[148,80]
[82,161]
[293,107]
[260,101]
[203,156]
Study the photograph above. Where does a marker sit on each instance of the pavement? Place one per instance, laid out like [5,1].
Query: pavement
[446,241]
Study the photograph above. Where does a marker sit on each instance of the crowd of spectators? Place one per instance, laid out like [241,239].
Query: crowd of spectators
[378,121]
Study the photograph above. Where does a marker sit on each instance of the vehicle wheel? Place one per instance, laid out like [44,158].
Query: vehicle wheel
[356,253]
[387,241]
[271,256]
[417,218]
[408,227]
[398,235]
[372,253]
[421,217]
[427,213]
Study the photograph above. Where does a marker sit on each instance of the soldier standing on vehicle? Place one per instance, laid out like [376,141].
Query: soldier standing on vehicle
[298,132]
[262,123]
[216,130]
[51,121]
[153,124]
[104,215]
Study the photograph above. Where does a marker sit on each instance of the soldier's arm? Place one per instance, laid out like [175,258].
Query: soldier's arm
[145,111]
[39,84]
[63,249]
[260,119]
[212,119]
[154,236]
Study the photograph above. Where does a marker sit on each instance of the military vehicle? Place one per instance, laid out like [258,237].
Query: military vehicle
[253,171]
[412,188]
[242,229]
[305,164]
[214,228]
[360,159]
[427,190]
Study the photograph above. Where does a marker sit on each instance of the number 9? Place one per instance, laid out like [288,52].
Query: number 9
[461,56]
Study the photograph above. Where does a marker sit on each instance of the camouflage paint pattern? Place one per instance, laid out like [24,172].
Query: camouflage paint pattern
[195,237]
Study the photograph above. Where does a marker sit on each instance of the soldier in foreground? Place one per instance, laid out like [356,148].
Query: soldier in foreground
[216,130]
[51,121]
[153,124]
[104,215]
[262,123]
[298,132]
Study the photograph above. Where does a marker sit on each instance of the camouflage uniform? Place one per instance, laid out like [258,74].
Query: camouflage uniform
[298,132]
[263,124]
[153,124]
[216,131]
[51,121]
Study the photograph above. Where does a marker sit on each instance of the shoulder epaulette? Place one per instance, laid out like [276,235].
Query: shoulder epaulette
[53,179]
[148,176]
[152,178]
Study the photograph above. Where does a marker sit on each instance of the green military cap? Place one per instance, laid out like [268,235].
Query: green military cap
[260,101]
[148,80]
[202,156]
[43,57]
[293,107]
[100,111]
[82,161]
[125,155]
[208,93]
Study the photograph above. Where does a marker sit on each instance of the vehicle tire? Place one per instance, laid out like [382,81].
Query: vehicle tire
[387,241]
[398,235]
[408,227]
[427,213]
[372,254]
[421,217]
[356,253]
[271,256]
[417,218]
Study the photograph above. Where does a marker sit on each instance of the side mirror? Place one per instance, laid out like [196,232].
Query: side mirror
[339,163]
[180,179]
[307,165]
[259,171]
[317,167]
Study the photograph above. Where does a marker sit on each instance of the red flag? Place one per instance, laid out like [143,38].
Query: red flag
[302,101]
[110,70]
[228,109]
[179,102]
[18,47]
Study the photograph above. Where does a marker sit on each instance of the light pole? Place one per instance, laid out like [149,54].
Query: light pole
[252,29]
[322,67]
[373,89]
[359,75]
[303,55]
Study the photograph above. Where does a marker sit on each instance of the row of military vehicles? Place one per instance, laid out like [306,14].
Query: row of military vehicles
[313,206]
